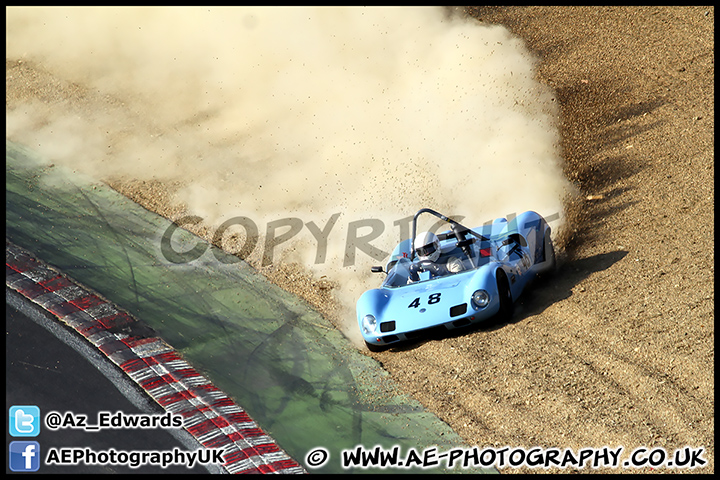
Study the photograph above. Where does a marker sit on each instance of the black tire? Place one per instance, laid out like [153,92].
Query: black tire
[375,348]
[505,295]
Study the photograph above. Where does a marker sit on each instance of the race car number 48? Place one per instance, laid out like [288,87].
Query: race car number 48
[433,298]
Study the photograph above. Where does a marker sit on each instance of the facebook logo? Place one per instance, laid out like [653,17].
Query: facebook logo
[24,421]
[24,456]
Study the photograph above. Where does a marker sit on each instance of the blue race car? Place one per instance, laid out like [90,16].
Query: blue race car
[455,278]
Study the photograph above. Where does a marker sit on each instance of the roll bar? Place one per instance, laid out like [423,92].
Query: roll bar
[458,229]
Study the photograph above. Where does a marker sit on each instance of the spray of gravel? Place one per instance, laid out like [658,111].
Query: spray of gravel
[344,115]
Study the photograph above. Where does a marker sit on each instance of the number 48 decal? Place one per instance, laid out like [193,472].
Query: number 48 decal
[433,298]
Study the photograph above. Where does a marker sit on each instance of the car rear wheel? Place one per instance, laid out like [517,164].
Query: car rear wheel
[548,265]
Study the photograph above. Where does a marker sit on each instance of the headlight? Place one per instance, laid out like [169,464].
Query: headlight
[480,298]
[368,324]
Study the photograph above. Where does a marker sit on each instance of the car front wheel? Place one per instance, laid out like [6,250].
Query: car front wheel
[374,348]
[506,303]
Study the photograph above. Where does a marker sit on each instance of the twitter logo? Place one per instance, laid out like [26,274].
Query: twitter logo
[24,421]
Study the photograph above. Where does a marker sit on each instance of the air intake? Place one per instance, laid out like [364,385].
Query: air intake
[458,310]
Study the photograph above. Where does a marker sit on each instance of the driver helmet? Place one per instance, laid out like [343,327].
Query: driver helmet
[427,246]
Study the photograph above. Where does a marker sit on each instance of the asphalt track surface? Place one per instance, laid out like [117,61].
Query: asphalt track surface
[75,378]
[294,374]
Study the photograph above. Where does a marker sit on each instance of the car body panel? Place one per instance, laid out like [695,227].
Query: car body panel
[402,309]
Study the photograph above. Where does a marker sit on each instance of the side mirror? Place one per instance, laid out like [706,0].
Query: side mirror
[376,269]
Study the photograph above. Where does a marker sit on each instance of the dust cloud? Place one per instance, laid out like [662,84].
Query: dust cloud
[277,113]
